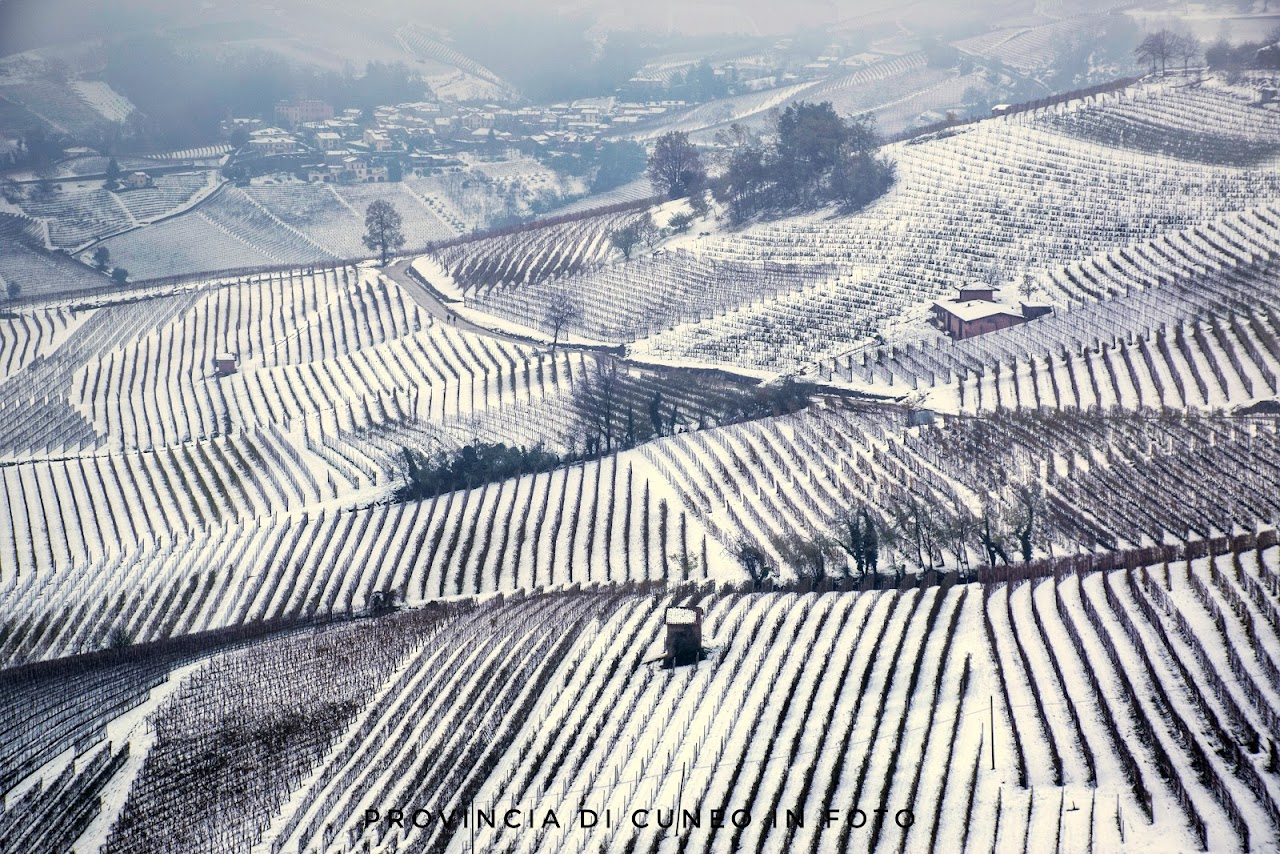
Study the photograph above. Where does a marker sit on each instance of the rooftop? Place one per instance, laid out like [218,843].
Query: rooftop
[976,309]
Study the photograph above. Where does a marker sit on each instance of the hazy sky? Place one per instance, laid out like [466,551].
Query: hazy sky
[27,23]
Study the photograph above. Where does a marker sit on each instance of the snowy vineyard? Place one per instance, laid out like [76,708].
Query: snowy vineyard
[1032,194]
[1132,707]
[772,481]
[532,255]
[1185,320]
[600,522]
[223,627]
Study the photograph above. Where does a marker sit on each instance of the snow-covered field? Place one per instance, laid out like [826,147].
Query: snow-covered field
[1067,637]
[1117,710]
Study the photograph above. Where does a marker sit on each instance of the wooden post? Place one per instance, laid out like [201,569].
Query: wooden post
[675,824]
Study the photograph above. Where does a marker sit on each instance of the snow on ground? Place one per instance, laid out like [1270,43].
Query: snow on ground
[438,278]
[98,94]
[484,320]
[131,727]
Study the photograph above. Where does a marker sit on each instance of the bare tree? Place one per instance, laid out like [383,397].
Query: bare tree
[562,310]
[732,139]
[811,557]
[957,530]
[382,228]
[1185,47]
[855,532]
[991,537]
[597,406]
[916,527]
[1031,510]
[1156,50]
[1028,286]
[753,560]
[649,231]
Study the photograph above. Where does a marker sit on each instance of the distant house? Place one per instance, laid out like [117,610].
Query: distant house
[224,364]
[273,145]
[328,141]
[343,166]
[1001,109]
[303,110]
[136,181]
[974,311]
[377,140]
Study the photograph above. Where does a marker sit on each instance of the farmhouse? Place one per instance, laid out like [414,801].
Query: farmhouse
[974,311]
[136,181]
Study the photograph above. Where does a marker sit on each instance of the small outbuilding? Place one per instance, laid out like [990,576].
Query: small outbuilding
[684,635]
[224,364]
[920,417]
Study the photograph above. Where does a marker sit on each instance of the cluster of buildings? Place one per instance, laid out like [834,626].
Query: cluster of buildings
[311,138]
[346,146]
[448,126]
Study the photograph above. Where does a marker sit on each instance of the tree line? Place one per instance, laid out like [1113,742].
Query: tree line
[1166,48]
[907,532]
[812,157]
[429,475]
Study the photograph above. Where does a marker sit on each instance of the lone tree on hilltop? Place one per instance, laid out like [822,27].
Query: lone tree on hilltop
[119,275]
[675,167]
[101,257]
[382,228]
[562,310]
[12,289]
[815,157]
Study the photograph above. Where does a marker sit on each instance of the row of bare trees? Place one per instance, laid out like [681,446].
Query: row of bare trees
[910,532]
[1161,48]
